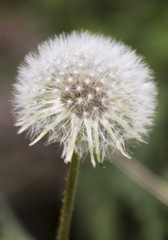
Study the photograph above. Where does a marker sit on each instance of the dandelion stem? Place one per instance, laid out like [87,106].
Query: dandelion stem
[68,201]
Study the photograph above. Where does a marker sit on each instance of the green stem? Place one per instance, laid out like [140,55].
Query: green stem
[68,201]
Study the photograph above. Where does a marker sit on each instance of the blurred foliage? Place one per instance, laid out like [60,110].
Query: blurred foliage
[10,228]
[109,205]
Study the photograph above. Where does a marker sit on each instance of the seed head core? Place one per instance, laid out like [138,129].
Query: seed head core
[85,98]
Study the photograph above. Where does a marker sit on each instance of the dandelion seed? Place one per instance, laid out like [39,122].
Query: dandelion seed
[79,100]
[69,101]
[78,88]
[58,80]
[97,89]
[70,79]
[87,81]
[90,96]
[102,105]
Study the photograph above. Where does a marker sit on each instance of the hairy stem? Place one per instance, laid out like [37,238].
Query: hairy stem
[68,201]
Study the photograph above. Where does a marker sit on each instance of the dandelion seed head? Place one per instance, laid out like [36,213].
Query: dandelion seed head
[90,93]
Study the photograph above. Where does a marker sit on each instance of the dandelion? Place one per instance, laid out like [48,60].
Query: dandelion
[90,94]
[87,92]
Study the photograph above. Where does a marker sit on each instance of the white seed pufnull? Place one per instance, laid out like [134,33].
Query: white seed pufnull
[88,92]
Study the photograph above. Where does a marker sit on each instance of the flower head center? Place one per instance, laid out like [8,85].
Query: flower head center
[85,98]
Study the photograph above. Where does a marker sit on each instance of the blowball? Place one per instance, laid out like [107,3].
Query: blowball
[90,93]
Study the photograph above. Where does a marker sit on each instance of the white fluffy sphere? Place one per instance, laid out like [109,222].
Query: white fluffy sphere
[90,93]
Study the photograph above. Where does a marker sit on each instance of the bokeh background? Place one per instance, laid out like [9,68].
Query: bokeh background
[109,205]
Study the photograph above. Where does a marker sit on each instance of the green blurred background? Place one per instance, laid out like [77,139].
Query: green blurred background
[109,205]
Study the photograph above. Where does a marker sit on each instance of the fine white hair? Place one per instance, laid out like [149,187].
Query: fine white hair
[86,91]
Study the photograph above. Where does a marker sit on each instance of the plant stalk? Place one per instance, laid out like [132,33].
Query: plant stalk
[68,200]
